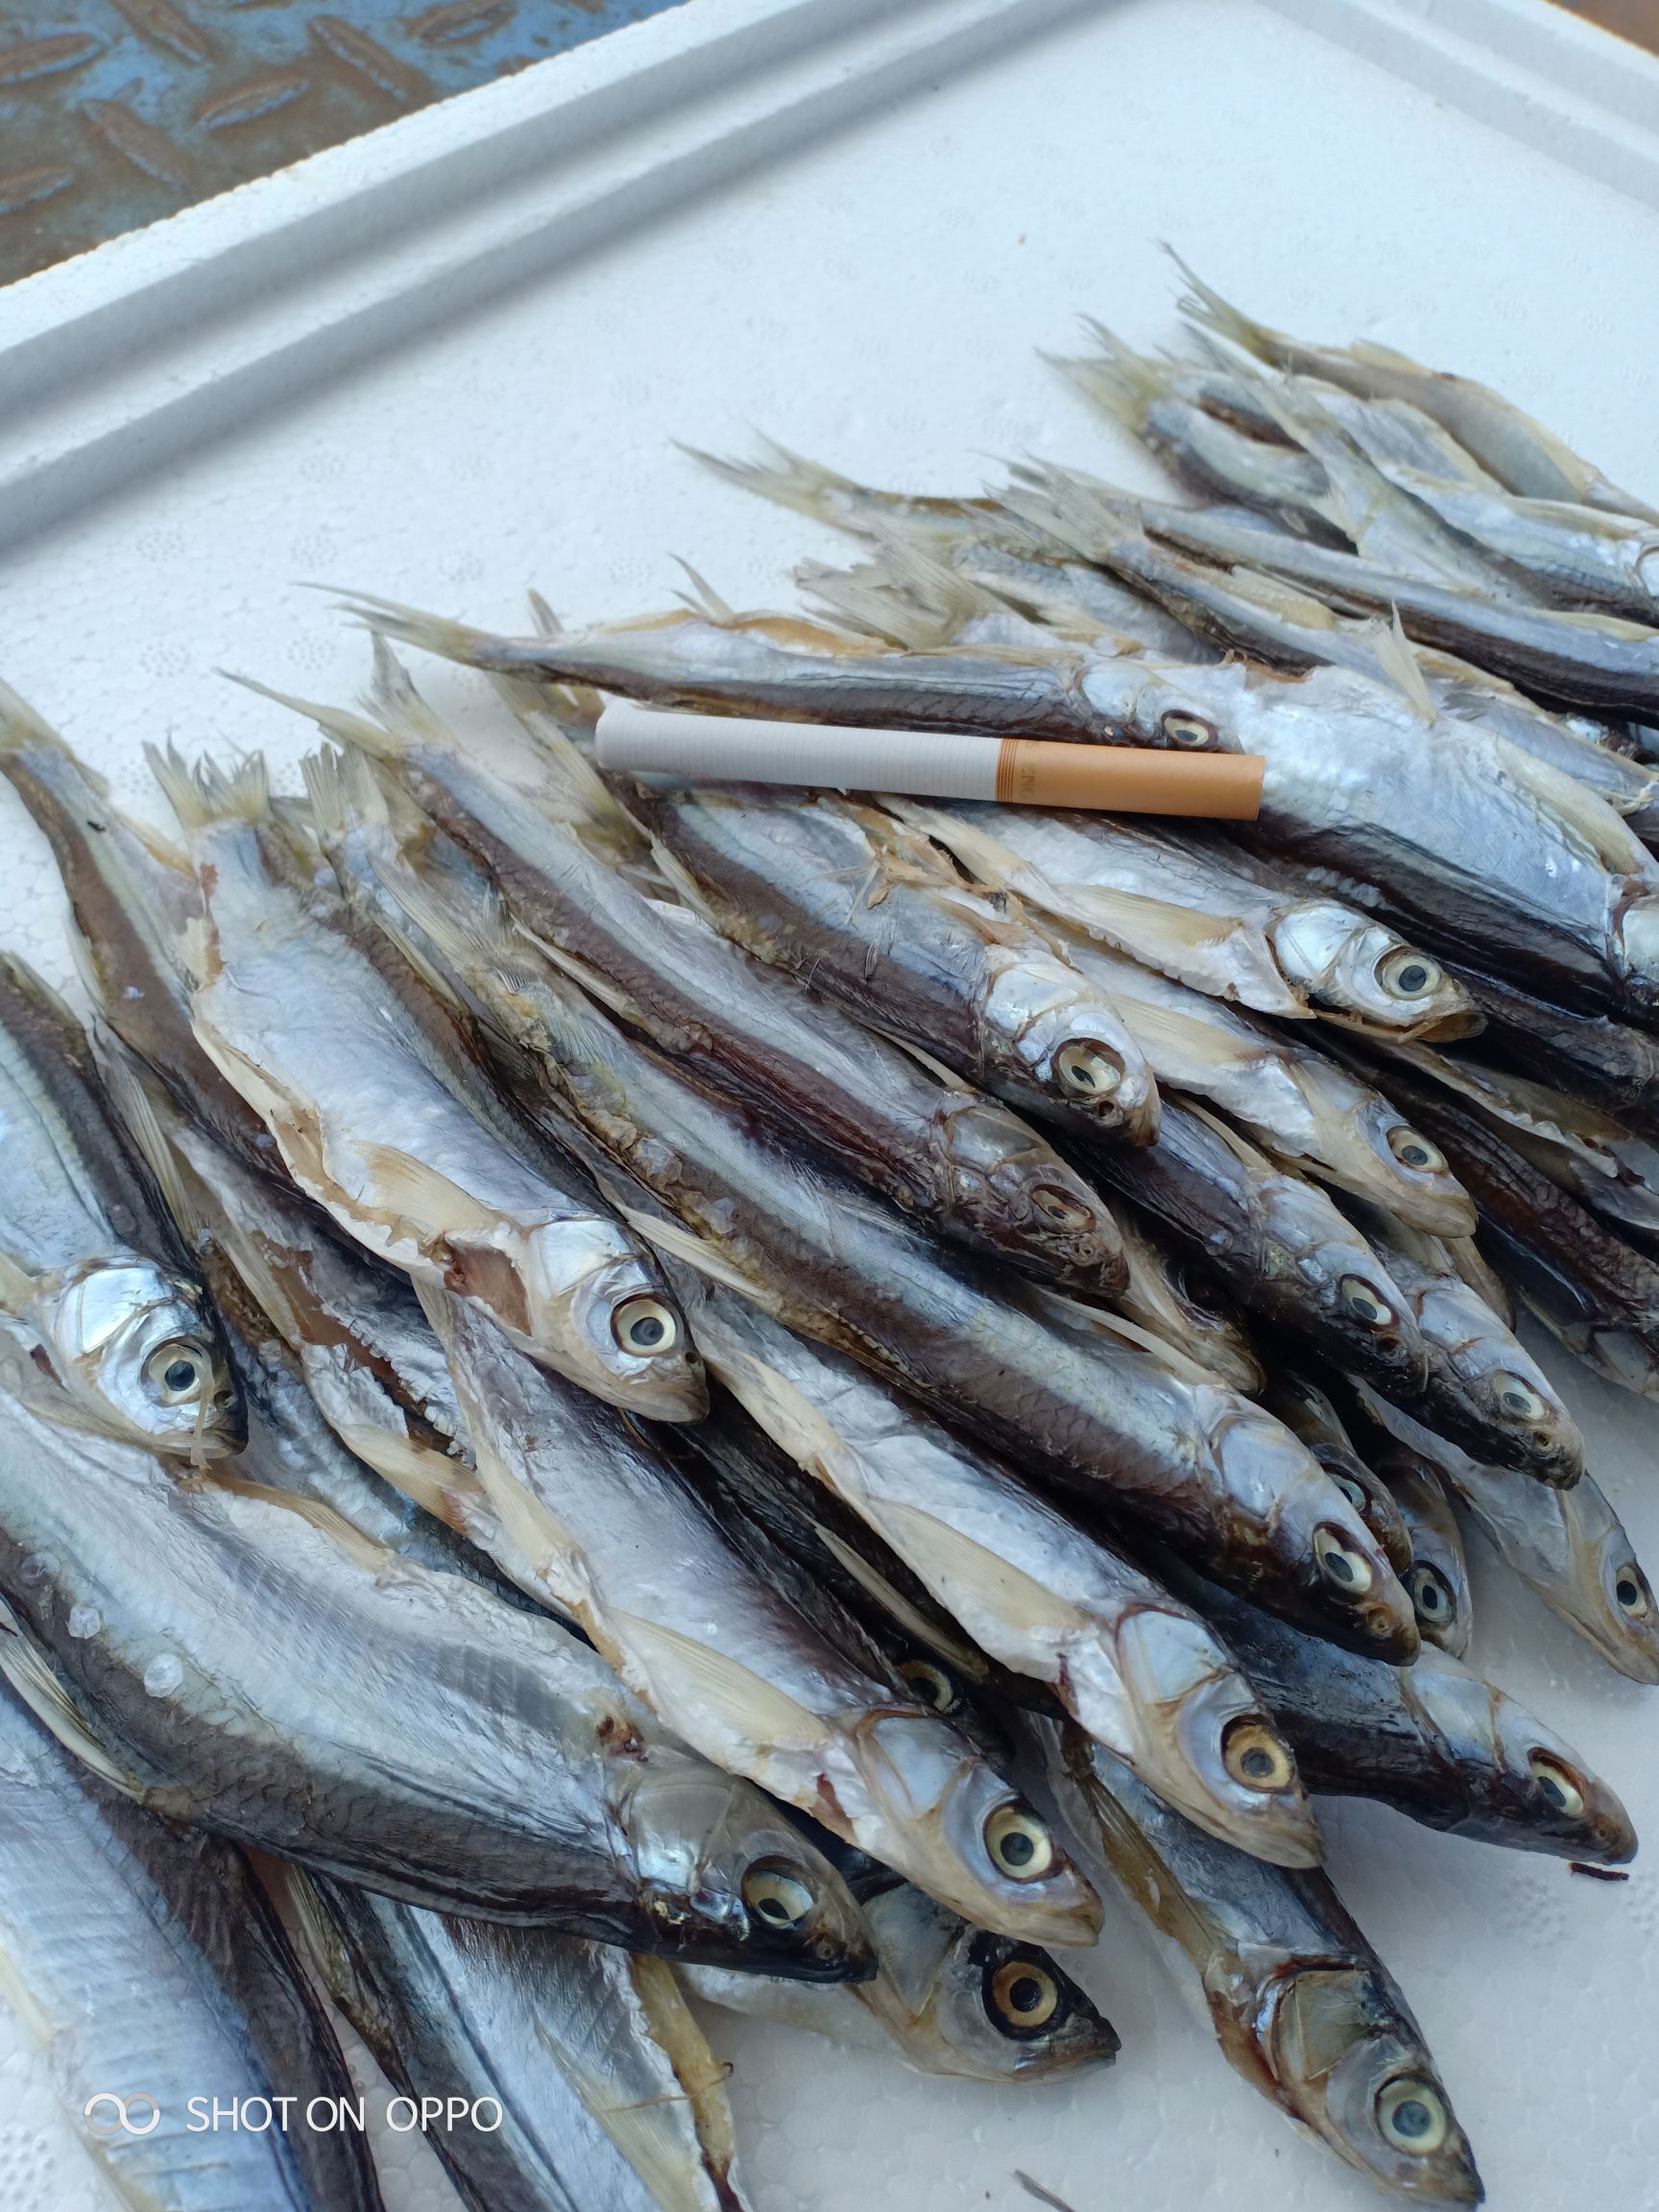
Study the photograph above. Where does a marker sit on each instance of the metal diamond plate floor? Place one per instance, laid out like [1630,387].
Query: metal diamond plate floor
[115,112]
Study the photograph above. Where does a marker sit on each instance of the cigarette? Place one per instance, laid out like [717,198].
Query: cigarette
[1017,771]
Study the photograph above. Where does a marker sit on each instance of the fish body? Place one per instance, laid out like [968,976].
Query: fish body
[1147,1436]
[873,915]
[948,1998]
[110,1921]
[1590,1056]
[1276,1242]
[1134,1667]
[132,897]
[385,1118]
[1302,2006]
[1433,1740]
[436,1744]
[90,1269]
[1193,909]
[957,1161]
[734,1669]
[609,2099]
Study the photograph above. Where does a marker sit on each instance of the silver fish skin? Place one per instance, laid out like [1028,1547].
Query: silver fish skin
[873,916]
[1435,1741]
[1496,434]
[1308,1413]
[1276,1242]
[1585,1054]
[444,1748]
[1304,1109]
[1195,910]
[1300,2004]
[1569,1546]
[1485,1391]
[1138,1670]
[731,1666]
[956,1160]
[1141,1435]
[385,1118]
[611,2099]
[90,1269]
[112,1920]
[1178,1299]
[948,1998]
[132,897]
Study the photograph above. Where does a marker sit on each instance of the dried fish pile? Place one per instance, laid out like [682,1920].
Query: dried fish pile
[651,1388]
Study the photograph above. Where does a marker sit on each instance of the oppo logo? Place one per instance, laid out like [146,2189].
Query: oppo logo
[108,2115]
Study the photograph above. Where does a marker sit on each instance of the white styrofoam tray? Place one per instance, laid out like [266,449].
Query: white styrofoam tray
[447,361]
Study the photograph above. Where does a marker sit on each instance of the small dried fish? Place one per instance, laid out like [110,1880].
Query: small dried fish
[384,1115]
[735,1669]
[1178,1299]
[1137,1670]
[91,1270]
[948,1998]
[1302,2006]
[1588,1055]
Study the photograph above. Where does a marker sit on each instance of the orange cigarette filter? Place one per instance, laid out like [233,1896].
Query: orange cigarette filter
[1017,771]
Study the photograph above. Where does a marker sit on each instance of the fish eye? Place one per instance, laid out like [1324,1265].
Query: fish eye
[1517,1399]
[1408,974]
[1415,1151]
[1019,1845]
[1363,1303]
[1431,1595]
[1088,1070]
[1557,1785]
[776,1897]
[1352,1491]
[645,1327]
[1254,1755]
[1188,730]
[1060,1207]
[930,1683]
[1022,1996]
[1340,1563]
[1631,1589]
[1201,1291]
[1412,2115]
[180,1372]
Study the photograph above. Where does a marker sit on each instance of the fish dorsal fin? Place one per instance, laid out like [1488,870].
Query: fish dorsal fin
[1399,664]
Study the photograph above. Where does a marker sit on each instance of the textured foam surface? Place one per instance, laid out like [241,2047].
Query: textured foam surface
[876,302]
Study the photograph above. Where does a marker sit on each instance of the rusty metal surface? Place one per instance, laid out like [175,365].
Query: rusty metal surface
[1637,20]
[115,112]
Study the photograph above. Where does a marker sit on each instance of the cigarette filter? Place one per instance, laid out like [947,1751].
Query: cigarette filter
[1018,771]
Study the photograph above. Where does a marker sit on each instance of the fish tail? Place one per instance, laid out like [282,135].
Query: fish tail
[209,793]
[1117,379]
[343,787]
[336,722]
[906,594]
[20,726]
[1204,306]
[412,626]
[790,480]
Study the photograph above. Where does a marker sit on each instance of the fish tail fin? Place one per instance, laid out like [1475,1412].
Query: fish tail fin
[1204,306]
[543,619]
[906,594]
[344,785]
[21,725]
[435,634]
[790,480]
[336,722]
[1115,377]
[209,793]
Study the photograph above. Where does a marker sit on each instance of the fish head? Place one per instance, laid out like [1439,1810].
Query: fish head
[1347,2060]
[1020,1196]
[1386,1160]
[730,1881]
[1358,970]
[1636,935]
[1321,1546]
[1507,1390]
[1540,1790]
[964,2001]
[955,1828]
[1069,1043]
[1167,707]
[1366,1324]
[1632,1613]
[1210,1750]
[141,1349]
[616,1326]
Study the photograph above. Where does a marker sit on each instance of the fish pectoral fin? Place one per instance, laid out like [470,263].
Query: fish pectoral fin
[678,1242]
[926,1627]
[324,1518]
[967,1576]
[736,1700]
[446,1488]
